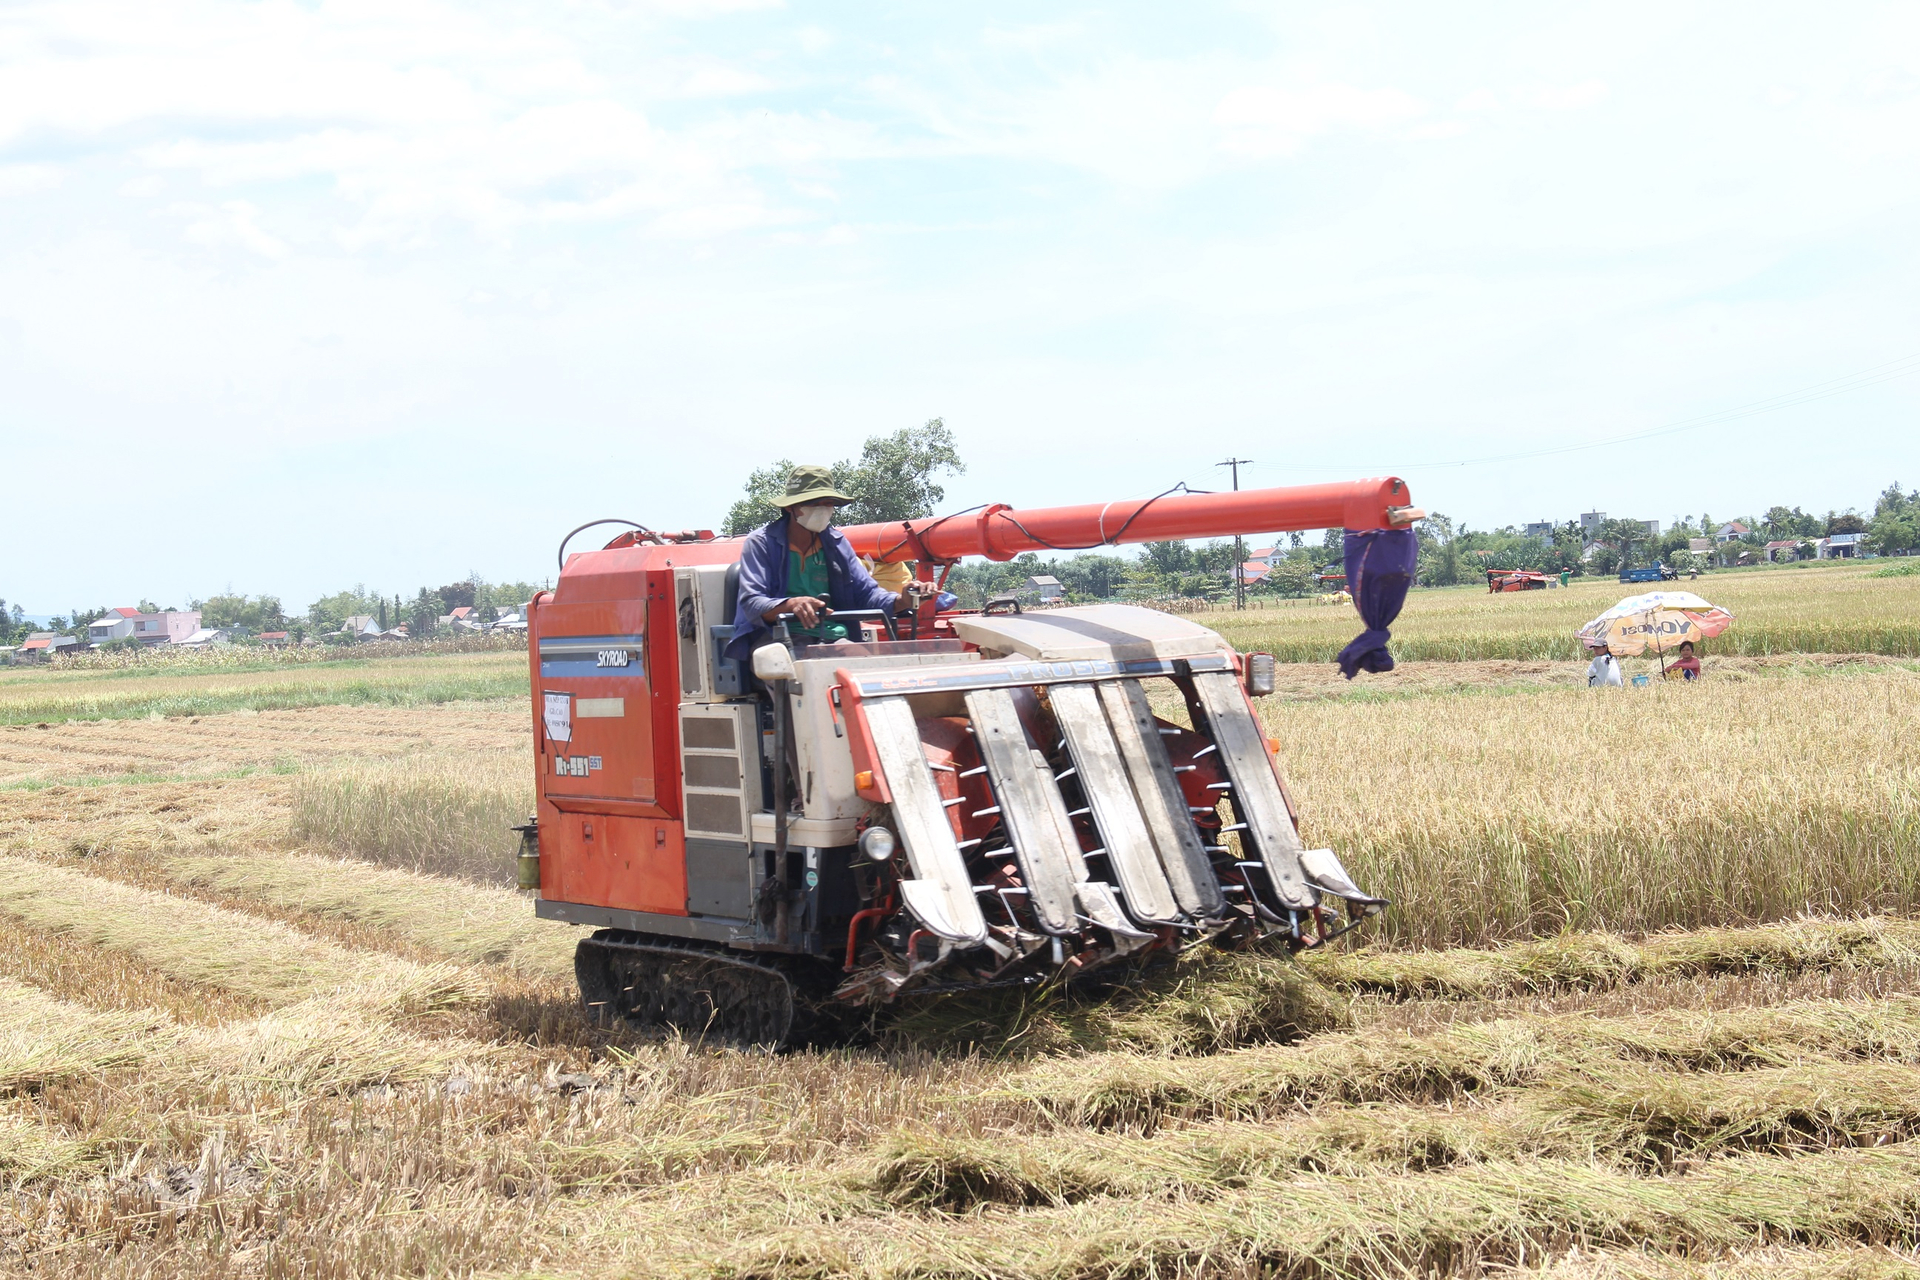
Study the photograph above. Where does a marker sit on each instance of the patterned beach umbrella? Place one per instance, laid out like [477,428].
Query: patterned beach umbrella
[1656,620]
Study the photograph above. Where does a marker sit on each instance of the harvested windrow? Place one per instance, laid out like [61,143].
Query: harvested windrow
[1444,1222]
[1134,1091]
[1626,1115]
[209,946]
[1591,961]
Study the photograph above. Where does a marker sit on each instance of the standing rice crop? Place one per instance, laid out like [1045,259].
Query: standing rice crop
[451,815]
[1627,810]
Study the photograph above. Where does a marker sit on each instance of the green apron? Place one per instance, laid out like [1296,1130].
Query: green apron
[807,576]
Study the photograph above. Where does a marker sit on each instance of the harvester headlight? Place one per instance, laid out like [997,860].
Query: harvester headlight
[877,843]
[1259,674]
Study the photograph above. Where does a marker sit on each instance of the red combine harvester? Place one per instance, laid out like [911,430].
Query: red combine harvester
[1499,580]
[963,800]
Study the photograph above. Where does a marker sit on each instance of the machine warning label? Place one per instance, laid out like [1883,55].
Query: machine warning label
[575,766]
[558,715]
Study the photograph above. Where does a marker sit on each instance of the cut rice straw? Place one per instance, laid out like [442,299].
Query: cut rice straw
[1448,1222]
[1589,961]
[43,1040]
[1127,1090]
[1624,1115]
[465,922]
[206,945]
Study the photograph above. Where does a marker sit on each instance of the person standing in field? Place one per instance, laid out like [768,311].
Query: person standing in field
[1604,669]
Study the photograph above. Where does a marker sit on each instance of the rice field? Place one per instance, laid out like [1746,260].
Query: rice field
[1647,1005]
[1809,608]
[56,694]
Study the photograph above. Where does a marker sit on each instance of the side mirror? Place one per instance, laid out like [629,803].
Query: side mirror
[773,662]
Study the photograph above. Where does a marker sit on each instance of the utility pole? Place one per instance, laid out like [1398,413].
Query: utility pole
[1239,551]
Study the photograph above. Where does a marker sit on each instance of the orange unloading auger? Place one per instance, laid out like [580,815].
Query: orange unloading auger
[1000,532]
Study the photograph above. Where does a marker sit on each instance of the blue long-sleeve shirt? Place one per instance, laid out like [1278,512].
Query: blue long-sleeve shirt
[763,583]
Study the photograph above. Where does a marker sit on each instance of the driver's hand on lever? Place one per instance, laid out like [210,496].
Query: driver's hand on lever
[807,610]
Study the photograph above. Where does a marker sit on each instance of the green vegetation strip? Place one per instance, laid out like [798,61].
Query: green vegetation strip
[1475,1059]
[205,945]
[481,687]
[143,779]
[1441,1223]
[38,697]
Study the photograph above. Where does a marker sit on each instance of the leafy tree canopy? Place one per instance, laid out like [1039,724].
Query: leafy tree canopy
[895,478]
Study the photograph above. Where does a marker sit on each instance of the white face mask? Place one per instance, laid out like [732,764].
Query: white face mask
[815,518]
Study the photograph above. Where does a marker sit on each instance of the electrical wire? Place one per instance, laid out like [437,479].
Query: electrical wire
[1117,535]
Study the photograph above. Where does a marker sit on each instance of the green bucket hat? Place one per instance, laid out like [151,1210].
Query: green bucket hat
[809,484]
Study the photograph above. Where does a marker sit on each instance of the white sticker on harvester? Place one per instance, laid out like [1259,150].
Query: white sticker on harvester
[559,717]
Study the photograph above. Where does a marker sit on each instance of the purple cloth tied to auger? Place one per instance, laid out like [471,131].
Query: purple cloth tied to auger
[1380,565]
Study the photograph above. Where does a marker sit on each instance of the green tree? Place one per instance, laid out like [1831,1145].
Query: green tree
[423,614]
[1895,527]
[894,478]
[1621,537]
[256,613]
[458,595]
[1439,563]
[329,612]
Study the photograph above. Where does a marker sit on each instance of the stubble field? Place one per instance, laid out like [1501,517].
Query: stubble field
[1648,1004]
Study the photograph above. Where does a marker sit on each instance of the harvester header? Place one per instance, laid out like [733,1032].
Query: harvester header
[1000,532]
[947,799]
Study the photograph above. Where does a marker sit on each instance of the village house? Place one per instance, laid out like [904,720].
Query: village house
[1782,551]
[1731,531]
[42,646]
[207,636]
[463,620]
[1045,587]
[1840,546]
[169,626]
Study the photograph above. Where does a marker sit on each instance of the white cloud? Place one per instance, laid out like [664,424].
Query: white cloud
[234,222]
[1268,120]
[18,179]
[409,112]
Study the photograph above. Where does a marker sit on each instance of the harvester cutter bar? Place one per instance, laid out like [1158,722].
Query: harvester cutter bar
[1030,805]
[1256,788]
[941,892]
[1163,805]
[1116,813]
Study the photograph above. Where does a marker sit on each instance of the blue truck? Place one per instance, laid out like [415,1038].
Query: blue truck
[1652,573]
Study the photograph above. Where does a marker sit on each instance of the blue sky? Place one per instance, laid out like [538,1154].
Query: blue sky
[294,295]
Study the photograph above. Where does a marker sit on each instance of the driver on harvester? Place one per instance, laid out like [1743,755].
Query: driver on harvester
[800,564]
